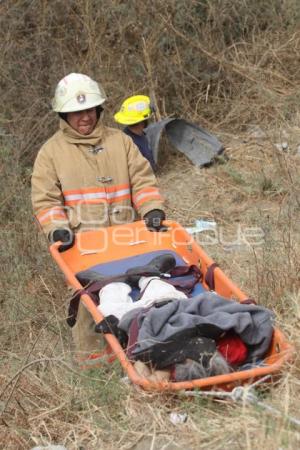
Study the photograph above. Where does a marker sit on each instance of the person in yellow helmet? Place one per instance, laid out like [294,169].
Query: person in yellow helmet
[134,113]
[89,176]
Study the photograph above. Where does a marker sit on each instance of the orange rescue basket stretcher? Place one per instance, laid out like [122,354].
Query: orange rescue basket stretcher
[123,241]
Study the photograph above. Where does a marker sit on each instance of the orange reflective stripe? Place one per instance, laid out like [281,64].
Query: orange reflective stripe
[91,190]
[89,197]
[117,187]
[120,197]
[98,201]
[51,214]
[109,194]
[145,195]
[148,199]
[83,191]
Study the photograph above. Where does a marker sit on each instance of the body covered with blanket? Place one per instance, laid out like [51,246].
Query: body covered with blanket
[206,315]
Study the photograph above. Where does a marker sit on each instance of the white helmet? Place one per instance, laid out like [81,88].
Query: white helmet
[77,92]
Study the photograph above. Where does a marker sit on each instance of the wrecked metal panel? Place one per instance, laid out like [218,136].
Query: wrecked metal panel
[196,143]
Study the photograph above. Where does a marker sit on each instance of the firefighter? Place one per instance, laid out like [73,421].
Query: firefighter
[134,113]
[88,176]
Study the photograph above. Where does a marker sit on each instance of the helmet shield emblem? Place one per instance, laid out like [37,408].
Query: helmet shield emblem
[81,98]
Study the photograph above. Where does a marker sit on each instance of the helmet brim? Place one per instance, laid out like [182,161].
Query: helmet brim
[124,120]
[80,104]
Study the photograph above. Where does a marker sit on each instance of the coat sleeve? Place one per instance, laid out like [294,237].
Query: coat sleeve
[46,194]
[144,187]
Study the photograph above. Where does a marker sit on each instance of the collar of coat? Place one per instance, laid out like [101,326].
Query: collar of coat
[73,137]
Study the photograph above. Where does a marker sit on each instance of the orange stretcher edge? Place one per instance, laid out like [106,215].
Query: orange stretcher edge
[133,239]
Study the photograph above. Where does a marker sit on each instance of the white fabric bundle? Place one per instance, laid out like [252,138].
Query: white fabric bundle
[115,298]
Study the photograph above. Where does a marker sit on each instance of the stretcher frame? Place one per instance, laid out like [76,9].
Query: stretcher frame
[121,241]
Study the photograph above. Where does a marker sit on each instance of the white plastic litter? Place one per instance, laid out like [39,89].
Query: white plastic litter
[125,380]
[282,146]
[178,418]
[202,225]
[50,447]
[245,394]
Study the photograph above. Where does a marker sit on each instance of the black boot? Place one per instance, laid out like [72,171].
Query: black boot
[88,276]
[156,267]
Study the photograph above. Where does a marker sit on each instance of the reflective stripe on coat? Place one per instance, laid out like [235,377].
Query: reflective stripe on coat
[87,182]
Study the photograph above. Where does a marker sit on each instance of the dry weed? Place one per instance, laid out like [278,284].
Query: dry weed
[225,65]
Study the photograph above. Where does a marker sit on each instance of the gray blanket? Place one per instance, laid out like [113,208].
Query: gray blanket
[254,324]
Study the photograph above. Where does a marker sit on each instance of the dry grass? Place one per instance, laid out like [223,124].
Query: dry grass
[224,64]
[44,399]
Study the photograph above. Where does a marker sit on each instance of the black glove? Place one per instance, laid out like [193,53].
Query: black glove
[110,325]
[64,235]
[153,220]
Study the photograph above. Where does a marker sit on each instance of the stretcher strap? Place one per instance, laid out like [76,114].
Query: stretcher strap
[210,276]
[184,285]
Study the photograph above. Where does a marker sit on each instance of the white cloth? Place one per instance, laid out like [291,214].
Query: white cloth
[115,298]
[154,289]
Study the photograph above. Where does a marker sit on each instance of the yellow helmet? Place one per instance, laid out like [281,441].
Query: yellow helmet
[77,92]
[134,109]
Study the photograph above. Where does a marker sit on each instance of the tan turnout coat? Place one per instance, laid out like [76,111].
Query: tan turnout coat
[86,182]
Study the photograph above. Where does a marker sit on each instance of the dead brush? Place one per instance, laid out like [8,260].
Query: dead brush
[223,64]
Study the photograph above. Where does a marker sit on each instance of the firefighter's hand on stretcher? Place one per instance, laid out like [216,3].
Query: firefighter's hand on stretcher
[154,220]
[64,235]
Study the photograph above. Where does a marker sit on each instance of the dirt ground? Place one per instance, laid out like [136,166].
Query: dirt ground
[44,399]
